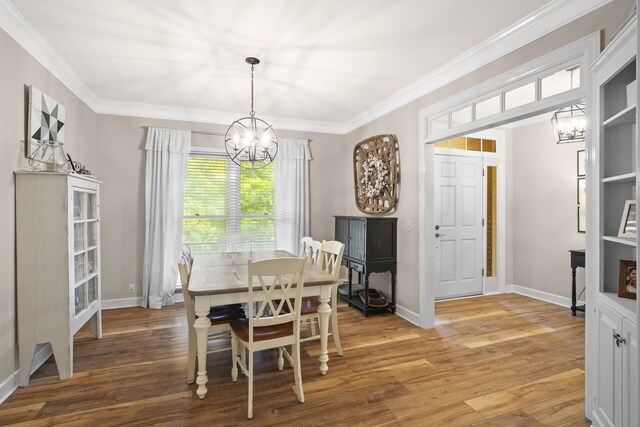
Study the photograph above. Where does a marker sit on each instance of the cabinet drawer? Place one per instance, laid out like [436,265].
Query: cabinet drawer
[357,266]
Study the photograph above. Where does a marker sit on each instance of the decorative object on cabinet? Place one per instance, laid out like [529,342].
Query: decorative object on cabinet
[628,224]
[46,119]
[582,210]
[582,162]
[58,264]
[627,282]
[370,247]
[78,167]
[376,174]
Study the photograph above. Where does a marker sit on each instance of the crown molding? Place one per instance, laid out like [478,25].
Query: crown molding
[18,28]
[164,112]
[541,22]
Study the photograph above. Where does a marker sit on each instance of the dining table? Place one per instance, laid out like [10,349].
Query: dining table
[222,278]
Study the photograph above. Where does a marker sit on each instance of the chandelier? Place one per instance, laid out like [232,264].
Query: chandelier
[251,142]
[569,124]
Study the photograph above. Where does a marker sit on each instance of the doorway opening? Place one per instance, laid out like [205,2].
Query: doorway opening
[543,85]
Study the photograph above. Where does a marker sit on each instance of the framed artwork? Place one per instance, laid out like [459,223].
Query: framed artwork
[627,281]
[582,163]
[46,123]
[628,224]
[376,172]
[582,210]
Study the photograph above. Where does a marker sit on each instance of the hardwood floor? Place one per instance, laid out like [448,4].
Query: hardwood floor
[504,360]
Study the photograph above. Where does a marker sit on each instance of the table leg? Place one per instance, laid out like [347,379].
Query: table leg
[324,311]
[201,325]
[573,291]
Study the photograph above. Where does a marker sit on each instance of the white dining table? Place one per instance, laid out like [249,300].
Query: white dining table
[221,278]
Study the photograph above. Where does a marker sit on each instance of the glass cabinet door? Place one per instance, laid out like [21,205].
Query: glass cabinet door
[85,249]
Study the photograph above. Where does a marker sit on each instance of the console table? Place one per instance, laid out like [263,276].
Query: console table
[577,260]
[370,247]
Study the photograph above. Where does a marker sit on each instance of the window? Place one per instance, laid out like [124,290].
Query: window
[468,144]
[222,198]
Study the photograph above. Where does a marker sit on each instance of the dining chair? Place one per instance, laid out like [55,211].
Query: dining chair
[236,242]
[330,260]
[275,323]
[219,316]
[305,242]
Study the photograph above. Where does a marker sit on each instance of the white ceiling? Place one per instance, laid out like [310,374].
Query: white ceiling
[321,61]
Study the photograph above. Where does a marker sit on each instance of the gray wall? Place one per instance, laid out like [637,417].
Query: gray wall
[18,69]
[122,170]
[544,210]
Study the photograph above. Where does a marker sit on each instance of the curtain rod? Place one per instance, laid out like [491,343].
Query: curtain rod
[199,132]
[203,132]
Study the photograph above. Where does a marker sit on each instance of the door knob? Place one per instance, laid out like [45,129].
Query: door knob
[439,235]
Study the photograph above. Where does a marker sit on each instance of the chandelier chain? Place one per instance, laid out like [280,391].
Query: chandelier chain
[252,113]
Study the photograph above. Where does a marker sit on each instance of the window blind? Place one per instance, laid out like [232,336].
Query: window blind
[224,199]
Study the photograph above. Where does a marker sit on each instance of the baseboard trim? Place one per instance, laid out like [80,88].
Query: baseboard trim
[9,385]
[109,304]
[543,296]
[12,382]
[42,355]
[408,315]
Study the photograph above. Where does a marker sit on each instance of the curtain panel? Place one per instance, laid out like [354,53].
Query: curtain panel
[167,153]
[291,181]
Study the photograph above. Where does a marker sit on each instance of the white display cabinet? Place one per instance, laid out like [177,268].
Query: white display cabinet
[58,263]
[612,351]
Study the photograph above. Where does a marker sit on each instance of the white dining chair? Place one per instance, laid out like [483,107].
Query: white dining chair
[304,246]
[330,260]
[236,242]
[275,323]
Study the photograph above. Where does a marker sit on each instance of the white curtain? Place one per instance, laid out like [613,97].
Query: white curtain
[167,153]
[291,181]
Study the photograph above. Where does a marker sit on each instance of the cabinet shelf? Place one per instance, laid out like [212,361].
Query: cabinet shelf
[626,177]
[624,306]
[629,241]
[624,117]
[90,248]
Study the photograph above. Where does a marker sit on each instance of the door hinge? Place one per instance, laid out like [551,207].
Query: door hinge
[483,272]
[482,172]
[483,222]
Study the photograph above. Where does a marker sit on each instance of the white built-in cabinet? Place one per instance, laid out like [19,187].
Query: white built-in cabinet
[58,263]
[612,348]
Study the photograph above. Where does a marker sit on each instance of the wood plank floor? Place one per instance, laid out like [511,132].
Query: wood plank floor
[504,360]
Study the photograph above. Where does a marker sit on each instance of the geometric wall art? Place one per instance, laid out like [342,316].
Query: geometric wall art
[376,172]
[45,126]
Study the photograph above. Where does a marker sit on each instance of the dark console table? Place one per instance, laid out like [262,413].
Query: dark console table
[577,260]
[370,247]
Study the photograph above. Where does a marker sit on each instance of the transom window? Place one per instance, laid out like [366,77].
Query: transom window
[223,199]
[527,91]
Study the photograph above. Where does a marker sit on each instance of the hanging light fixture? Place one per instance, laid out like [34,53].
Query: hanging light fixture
[569,124]
[251,142]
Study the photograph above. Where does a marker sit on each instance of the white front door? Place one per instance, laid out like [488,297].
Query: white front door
[458,225]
